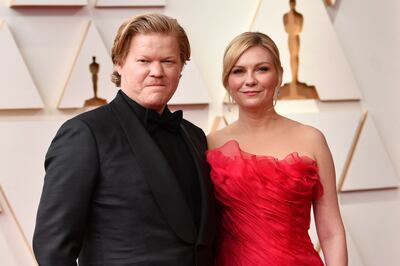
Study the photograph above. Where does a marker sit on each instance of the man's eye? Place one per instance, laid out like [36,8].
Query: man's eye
[142,61]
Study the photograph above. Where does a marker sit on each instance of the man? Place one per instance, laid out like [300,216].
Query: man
[127,183]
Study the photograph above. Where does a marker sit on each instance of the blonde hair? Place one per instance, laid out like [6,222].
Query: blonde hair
[145,24]
[240,44]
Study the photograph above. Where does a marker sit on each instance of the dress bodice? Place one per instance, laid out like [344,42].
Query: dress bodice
[265,207]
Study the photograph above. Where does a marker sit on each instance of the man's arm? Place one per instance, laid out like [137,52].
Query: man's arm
[71,168]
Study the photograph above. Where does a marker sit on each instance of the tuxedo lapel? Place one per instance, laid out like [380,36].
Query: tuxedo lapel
[206,228]
[157,172]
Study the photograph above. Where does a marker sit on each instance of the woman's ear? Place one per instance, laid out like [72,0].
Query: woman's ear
[280,77]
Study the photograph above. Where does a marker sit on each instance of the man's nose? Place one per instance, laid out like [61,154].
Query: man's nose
[156,69]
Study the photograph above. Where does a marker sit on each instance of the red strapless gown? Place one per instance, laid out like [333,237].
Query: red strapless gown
[265,207]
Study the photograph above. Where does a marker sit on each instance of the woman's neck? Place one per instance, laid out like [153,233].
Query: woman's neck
[252,120]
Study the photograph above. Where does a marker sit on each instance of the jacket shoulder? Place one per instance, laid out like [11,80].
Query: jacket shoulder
[192,127]
[195,132]
[96,118]
[95,115]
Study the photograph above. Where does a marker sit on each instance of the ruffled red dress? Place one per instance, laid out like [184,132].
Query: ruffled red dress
[265,207]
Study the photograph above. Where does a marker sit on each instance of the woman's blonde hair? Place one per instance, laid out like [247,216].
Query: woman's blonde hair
[243,42]
[146,24]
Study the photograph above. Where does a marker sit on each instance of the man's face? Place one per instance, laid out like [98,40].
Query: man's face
[151,71]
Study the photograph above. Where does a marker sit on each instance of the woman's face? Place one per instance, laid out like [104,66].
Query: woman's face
[253,79]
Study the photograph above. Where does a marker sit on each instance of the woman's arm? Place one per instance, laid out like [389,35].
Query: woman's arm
[328,221]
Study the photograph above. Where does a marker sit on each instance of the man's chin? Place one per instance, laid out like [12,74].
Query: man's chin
[156,106]
[154,101]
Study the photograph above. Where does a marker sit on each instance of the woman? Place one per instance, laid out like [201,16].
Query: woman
[269,170]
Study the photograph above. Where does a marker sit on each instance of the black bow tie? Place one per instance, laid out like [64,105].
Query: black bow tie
[167,120]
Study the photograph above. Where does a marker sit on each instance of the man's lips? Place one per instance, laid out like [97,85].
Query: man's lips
[156,85]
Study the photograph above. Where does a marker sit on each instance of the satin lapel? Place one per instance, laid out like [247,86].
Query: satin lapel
[207,226]
[157,172]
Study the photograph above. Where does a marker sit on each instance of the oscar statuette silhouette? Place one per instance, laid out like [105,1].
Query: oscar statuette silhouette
[293,22]
[95,100]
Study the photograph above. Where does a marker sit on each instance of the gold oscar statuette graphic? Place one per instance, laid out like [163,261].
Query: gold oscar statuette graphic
[293,22]
[94,70]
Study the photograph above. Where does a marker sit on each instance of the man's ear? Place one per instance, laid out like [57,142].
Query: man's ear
[118,68]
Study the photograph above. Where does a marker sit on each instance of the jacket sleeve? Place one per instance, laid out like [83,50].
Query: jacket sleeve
[71,169]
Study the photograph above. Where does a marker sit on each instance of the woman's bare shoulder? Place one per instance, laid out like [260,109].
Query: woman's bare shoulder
[219,137]
[313,138]
[307,137]
[311,133]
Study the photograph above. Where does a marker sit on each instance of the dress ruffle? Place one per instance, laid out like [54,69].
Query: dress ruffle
[265,207]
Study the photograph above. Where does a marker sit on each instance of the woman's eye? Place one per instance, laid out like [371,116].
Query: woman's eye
[263,69]
[237,71]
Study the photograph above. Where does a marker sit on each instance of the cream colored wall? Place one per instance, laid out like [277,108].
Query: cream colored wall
[369,34]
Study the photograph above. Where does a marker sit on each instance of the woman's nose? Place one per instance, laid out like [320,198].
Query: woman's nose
[250,80]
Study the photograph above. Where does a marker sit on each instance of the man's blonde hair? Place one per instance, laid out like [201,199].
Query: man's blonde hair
[146,24]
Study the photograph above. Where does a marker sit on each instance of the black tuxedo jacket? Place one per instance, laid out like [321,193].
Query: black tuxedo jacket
[110,197]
